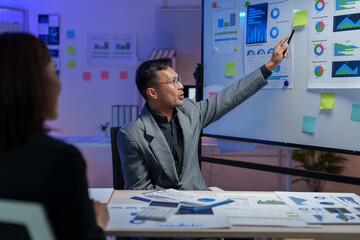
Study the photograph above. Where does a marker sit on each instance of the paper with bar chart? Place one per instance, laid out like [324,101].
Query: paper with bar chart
[226,26]
[260,209]
[334,59]
[111,50]
[266,24]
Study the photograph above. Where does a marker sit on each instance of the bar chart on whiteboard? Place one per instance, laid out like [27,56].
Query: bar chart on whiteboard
[267,23]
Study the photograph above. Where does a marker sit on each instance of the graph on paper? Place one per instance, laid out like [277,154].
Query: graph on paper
[320,5]
[320,26]
[319,71]
[341,5]
[257,23]
[346,22]
[345,50]
[319,49]
[266,24]
[345,69]
[225,20]
[335,52]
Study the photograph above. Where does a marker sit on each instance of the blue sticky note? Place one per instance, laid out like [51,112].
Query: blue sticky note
[70,34]
[355,113]
[309,124]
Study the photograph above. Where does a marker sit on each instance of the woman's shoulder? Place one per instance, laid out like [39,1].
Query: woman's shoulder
[49,144]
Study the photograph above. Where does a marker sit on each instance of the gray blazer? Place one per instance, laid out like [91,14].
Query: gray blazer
[146,159]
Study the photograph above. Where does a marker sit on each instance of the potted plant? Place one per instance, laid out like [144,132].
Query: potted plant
[103,130]
[319,161]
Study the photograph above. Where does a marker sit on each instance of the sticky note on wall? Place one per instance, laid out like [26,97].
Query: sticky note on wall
[104,74]
[355,113]
[70,34]
[309,124]
[300,18]
[71,64]
[86,76]
[123,75]
[230,69]
[327,100]
[70,49]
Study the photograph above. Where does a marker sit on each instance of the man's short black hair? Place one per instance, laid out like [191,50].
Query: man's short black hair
[146,74]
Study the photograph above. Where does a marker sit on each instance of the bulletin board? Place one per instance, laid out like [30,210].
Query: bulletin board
[12,20]
[313,101]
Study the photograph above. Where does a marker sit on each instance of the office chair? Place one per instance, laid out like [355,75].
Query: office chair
[118,178]
[23,220]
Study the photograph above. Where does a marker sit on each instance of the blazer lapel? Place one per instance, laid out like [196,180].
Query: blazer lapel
[158,145]
[187,138]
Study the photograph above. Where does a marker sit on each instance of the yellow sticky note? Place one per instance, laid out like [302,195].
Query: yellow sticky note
[300,18]
[327,100]
[70,49]
[71,64]
[230,69]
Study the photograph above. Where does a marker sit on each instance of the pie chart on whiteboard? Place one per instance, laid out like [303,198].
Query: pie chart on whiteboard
[320,26]
[319,71]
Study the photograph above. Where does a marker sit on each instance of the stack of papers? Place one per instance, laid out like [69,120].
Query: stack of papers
[189,201]
[122,216]
[256,209]
[324,208]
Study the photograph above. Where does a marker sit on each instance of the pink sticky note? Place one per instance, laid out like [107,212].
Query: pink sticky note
[86,76]
[211,94]
[104,74]
[123,75]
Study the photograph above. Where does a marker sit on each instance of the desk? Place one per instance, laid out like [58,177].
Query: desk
[327,231]
[86,141]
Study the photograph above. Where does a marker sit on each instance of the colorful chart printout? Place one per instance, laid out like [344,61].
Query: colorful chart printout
[334,34]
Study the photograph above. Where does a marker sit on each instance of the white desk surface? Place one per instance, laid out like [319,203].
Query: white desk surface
[327,231]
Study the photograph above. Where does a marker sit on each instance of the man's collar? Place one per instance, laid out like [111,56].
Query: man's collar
[159,118]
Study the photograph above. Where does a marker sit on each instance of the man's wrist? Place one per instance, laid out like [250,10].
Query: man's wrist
[270,66]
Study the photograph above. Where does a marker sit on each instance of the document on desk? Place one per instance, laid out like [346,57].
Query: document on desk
[122,216]
[102,195]
[260,209]
[329,208]
[189,201]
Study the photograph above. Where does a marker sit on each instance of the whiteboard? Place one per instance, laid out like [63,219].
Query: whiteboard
[275,116]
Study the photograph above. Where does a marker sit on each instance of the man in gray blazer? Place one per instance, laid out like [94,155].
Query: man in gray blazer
[160,149]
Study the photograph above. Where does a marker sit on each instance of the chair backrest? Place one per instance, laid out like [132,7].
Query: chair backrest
[15,215]
[118,178]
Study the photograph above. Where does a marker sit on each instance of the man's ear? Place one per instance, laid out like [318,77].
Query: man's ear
[151,93]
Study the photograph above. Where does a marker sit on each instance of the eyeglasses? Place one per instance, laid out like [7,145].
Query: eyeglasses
[175,81]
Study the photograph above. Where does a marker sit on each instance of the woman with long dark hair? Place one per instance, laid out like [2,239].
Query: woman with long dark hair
[34,166]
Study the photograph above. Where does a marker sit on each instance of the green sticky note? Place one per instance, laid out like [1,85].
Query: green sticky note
[230,69]
[300,18]
[71,64]
[327,100]
[309,124]
[355,113]
[70,49]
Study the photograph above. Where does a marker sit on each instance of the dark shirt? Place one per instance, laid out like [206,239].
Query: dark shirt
[173,135]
